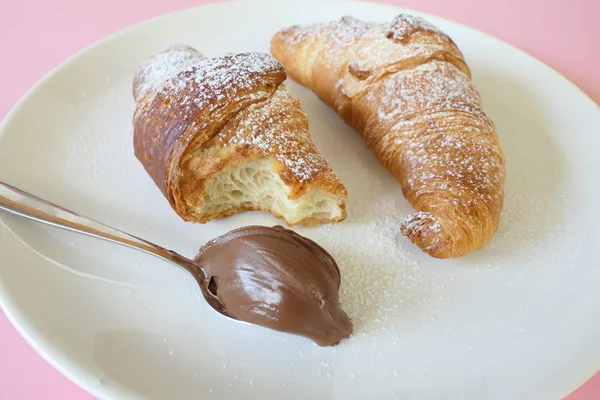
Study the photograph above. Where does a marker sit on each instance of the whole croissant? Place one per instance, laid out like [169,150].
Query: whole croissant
[223,135]
[406,88]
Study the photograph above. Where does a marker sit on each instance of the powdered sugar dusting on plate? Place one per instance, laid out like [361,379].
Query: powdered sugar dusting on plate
[380,278]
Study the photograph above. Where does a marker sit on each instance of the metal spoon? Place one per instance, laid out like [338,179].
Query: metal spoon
[20,203]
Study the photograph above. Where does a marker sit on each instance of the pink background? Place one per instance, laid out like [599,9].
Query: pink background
[36,35]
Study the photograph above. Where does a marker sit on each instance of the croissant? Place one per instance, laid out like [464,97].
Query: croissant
[223,135]
[407,89]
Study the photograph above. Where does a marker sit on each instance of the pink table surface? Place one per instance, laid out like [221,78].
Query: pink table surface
[36,35]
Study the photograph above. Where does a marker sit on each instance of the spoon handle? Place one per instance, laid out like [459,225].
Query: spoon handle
[27,205]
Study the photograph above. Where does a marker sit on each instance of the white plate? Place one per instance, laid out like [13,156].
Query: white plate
[517,320]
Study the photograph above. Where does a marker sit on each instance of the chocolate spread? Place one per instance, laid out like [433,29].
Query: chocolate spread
[278,279]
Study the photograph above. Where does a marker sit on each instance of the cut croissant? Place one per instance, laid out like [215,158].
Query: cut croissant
[224,135]
[406,88]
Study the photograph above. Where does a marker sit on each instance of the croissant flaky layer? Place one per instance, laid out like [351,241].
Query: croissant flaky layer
[224,135]
[406,88]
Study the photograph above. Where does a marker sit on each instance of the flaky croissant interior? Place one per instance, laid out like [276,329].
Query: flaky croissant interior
[257,185]
[224,135]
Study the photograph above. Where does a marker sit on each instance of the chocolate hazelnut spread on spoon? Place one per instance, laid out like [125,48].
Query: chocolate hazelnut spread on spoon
[278,279]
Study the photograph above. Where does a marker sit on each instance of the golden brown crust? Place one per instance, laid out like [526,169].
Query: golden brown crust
[406,88]
[196,116]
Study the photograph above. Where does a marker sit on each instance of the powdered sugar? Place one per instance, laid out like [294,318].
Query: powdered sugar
[265,126]
[342,34]
[369,47]
[420,109]
[346,32]
[416,220]
[404,25]
[211,82]
[165,66]
[193,80]
[467,166]
[430,87]
[218,78]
